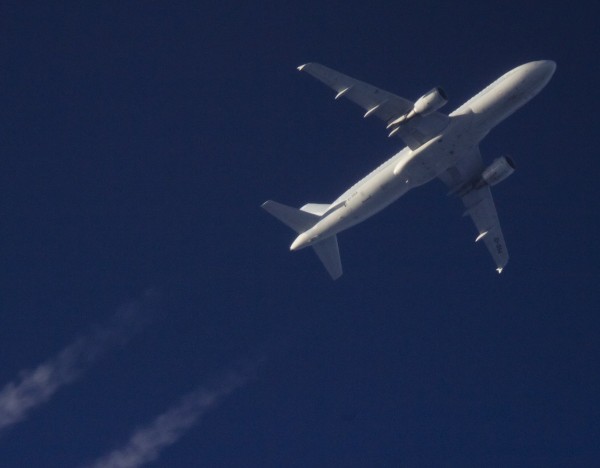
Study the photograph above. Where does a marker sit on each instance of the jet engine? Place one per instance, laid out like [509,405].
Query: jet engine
[425,105]
[430,102]
[496,172]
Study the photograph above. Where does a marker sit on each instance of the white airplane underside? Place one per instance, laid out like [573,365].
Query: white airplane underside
[437,146]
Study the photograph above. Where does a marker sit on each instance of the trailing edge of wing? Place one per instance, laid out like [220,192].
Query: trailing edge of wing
[380,103]
[479,205]
[481,209]
[373,100]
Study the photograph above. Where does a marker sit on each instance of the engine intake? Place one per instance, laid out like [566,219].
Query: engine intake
[496,172]
[425,105]
[430,102]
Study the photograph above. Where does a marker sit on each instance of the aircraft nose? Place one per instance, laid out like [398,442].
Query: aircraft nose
[538,73]
[544,71]
[544,68]
[547,66]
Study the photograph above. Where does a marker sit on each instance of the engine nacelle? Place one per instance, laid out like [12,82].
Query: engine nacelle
[430,102]
[425,105]
[496,172]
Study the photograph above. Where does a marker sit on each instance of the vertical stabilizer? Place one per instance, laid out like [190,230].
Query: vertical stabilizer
[318,209]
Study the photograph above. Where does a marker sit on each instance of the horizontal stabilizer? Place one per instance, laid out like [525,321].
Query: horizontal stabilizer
[294,218]
[328,252]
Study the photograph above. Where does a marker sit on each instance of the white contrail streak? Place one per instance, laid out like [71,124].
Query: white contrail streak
[147,442]
[36,386]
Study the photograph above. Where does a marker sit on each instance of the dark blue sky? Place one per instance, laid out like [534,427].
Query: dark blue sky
[140,278]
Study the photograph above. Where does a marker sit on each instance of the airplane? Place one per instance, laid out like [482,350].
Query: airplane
[439,146]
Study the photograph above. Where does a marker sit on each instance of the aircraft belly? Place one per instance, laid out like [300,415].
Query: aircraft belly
[437,157]
[367,200]
[381,189]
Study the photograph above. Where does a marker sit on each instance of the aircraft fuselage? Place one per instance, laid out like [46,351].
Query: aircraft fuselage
[407,169]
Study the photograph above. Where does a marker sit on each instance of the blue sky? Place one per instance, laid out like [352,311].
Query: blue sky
[152,313]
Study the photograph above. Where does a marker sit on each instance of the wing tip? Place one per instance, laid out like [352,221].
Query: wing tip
[501,268]
[337,276]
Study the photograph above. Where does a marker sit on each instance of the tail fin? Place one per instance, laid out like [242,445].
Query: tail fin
[303,219]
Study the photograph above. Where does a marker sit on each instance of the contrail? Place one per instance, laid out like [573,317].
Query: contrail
[147,442]
[36,386]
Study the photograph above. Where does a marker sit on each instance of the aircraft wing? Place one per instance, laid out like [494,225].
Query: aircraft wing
[479,204]
[380,103]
